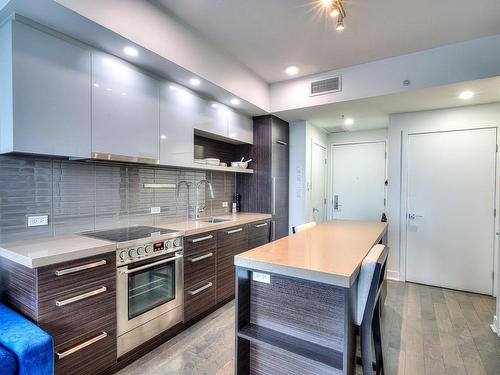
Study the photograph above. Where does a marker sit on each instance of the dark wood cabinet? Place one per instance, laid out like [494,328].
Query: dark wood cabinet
[259,233]
[266,191]
[230,242]
[74,302]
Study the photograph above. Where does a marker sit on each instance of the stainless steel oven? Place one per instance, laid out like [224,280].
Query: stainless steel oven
[149,298]
[149,280]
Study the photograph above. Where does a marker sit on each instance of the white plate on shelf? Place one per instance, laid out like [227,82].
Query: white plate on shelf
[200,161]
[212,161]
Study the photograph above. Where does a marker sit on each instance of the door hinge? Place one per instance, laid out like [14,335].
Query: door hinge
[496,149]
[385,201]
[493,275]
[494,212]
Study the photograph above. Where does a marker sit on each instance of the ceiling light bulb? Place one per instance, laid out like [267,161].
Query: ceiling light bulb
[327,3]
[291,70]
[340,25]
[465,95]
[349,121]
[131,51]
[194,81]
[235,101]
[335,11]
[215,105]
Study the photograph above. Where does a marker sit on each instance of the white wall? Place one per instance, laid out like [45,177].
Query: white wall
[146,24]
[302,134]
[449,64]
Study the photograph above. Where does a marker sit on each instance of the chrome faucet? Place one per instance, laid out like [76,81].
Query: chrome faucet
[197,208]
[188,186]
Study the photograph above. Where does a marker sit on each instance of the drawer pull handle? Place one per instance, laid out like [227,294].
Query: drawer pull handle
[199,239]
[81,346]
[234,231]
[80,268]
[194,292]
[79,297]
[261,225]
[201,257]
[282,143]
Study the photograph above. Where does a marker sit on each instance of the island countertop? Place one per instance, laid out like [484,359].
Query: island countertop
[329,253]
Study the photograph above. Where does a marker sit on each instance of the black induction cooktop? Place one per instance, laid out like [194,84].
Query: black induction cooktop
[129,233]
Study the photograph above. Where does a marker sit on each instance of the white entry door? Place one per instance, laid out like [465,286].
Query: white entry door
[318,182]
[450,206]
[358,181]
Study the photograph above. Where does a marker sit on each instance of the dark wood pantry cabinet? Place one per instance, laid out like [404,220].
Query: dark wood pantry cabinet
[266,191]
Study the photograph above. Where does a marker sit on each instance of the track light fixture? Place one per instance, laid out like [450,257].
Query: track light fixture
[336,9]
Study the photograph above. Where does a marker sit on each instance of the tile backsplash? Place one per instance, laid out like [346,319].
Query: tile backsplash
[81,196]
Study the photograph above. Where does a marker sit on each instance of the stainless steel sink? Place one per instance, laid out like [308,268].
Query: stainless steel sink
[215,220]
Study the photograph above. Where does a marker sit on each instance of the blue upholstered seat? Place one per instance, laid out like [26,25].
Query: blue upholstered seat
[8,365]
[31,348]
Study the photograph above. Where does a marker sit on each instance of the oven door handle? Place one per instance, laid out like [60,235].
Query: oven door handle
[146,266]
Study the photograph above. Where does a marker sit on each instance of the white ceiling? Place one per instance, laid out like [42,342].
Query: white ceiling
[373,113]
[268,35]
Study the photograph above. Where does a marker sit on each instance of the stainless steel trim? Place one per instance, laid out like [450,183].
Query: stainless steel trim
[261,225]
[196,291]
[81,346]
[199,239]
[80,268]
[125,158]
[146,266]
[274,196]
[201,257]
[79,297]
[282,143]
[273,232]
[233,231]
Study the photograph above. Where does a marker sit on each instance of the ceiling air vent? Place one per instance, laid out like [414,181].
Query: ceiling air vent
[326,86]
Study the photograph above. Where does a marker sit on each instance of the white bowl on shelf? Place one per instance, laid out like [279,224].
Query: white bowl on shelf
[239,164]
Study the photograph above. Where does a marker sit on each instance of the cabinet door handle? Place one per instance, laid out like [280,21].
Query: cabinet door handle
[234,231]
[282,143]
[261,225]
[201,257]
[79,297]
[81,346]
[199,239]
[83,267]
[196,291]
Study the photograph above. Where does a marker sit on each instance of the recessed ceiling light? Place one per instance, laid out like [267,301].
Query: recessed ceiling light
[291,70]
[195,81]
[235,101]
[349,121]
[131,51]
[215,105]
[465,95]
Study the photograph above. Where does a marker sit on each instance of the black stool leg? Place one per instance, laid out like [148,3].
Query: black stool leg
[365,336]
[377,340]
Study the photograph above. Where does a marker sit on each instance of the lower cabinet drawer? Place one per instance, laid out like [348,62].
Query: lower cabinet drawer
[259,234]
[79,311]
[199,267]
[199,298]
[88,354]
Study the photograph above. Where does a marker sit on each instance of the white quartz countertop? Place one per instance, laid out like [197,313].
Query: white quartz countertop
[329,253]
[51,250]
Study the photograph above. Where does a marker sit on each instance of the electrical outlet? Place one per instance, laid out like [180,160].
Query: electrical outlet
[155,210]
[224,204]
[261,277]
[37,221]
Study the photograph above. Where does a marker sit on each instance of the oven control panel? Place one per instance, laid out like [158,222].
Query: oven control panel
[148,250]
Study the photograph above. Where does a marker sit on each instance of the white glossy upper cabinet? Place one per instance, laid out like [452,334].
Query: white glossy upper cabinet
[180,110]
[44,93]
[125,111]
[212,118]
[240,128]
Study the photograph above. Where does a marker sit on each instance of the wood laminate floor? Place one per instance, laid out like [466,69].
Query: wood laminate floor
[426,330]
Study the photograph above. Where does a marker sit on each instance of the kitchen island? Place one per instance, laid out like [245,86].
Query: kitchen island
[296,299]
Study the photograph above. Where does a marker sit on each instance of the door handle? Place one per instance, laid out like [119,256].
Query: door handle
[413,216]
[336,204]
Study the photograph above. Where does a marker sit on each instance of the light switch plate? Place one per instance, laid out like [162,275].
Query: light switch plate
[224,204]
[155,210]
[38,221]
[261,277]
